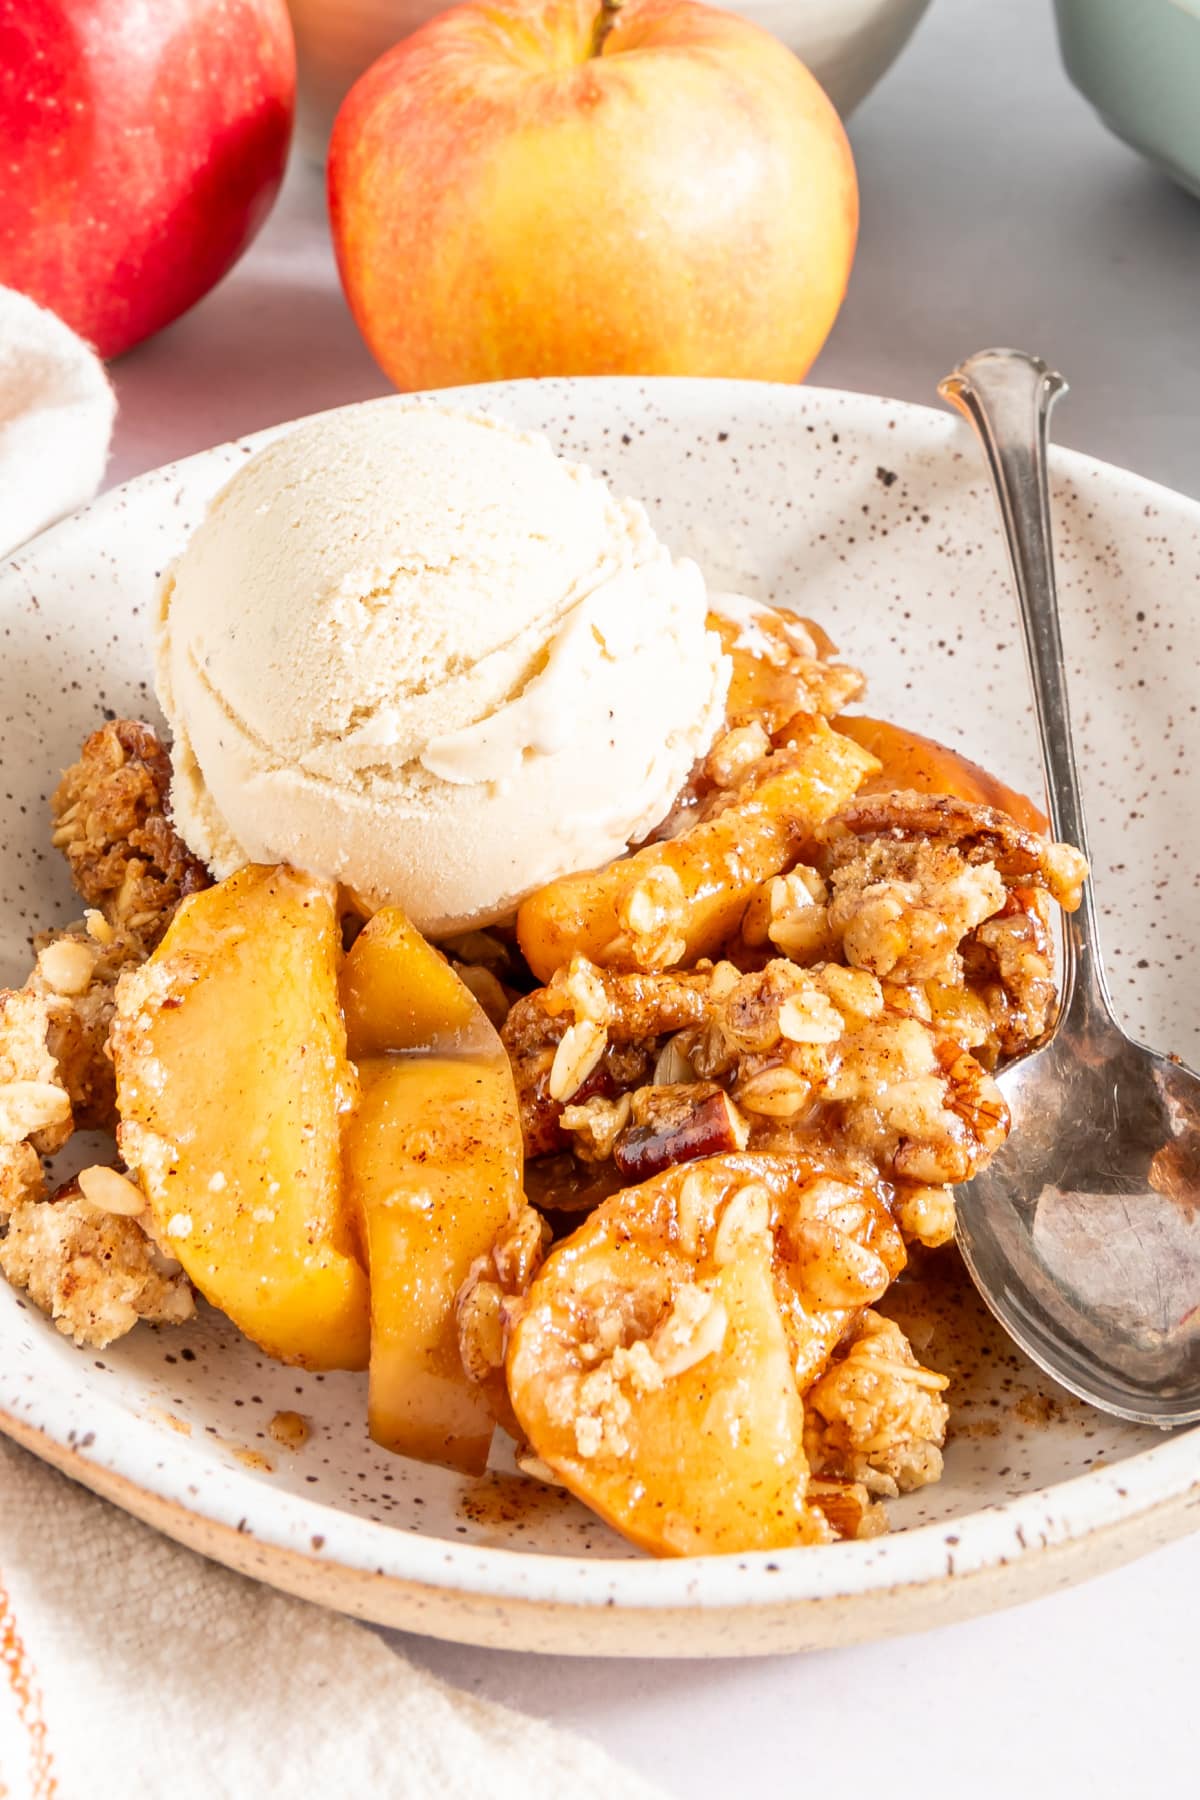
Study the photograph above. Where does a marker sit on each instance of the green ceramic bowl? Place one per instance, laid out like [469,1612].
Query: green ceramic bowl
[1138,62]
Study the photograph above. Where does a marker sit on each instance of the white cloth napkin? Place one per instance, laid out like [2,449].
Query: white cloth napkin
[56,417]
[133,1670]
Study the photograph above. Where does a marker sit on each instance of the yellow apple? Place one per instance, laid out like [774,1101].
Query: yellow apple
[433,1171]
[563,187]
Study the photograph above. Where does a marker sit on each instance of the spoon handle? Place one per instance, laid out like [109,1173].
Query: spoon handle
[1006,396]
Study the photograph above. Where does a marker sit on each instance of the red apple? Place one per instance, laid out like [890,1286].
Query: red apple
[562,187]
[141,145]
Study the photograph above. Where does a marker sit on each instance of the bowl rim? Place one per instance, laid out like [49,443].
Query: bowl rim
[1166,1476]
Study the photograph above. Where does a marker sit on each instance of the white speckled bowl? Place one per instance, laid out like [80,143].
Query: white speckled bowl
[874,517]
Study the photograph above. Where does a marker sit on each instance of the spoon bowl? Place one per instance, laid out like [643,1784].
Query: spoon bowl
[1083,1233]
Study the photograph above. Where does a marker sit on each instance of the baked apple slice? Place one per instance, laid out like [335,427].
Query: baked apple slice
[681,898]
[653,1370]
[909,760]
[433,1171]
[232,1082]
[780,665]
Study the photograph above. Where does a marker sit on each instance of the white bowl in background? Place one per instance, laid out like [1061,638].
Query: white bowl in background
[848,45]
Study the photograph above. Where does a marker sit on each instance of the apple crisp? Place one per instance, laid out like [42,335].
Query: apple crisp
[752,1059]
[831,1054]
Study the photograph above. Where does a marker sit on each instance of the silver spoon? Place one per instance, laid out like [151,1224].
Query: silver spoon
[1083,1234]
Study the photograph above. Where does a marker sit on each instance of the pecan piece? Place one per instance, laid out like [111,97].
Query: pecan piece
[678,1124]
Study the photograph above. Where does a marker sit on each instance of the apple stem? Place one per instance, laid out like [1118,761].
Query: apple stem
[606,18]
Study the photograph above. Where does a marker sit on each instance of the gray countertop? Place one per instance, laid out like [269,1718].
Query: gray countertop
[997,209]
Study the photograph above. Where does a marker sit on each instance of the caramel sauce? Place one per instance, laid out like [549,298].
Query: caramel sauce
[171,1420]
[992,1386]
[290,1429]
[252,1459]
[501,1500]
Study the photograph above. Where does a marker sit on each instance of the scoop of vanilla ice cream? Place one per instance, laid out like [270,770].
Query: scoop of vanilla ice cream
[415,651]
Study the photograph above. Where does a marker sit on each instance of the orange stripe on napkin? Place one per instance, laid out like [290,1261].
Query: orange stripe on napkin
[22,1681]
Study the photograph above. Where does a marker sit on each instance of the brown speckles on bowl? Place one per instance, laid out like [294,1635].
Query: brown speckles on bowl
[866,514]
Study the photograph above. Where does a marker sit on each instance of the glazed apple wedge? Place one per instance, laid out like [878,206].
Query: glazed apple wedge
[679,899]
[433,1171]
[908,760]
[232,1083]
[651,1366]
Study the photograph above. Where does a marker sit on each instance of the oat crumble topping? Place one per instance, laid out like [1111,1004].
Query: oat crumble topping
[762,1054]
